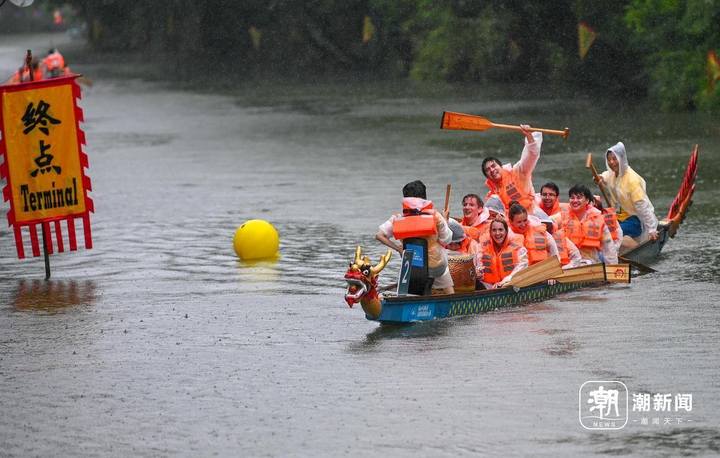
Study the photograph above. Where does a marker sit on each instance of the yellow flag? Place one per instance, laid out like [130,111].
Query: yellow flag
[368,29]
[586,37]
[713,68]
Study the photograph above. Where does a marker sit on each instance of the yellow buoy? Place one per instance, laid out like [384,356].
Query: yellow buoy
[256,239]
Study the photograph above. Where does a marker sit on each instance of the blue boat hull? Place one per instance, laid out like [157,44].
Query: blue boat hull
[409,309]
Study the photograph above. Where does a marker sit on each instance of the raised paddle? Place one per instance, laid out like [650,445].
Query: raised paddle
[589,164]
[461,121]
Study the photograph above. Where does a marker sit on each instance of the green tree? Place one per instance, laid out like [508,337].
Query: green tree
[675,37]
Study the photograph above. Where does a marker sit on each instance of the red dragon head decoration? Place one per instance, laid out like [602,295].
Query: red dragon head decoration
[361,278]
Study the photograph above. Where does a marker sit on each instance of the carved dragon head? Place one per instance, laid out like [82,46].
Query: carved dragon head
[361,278]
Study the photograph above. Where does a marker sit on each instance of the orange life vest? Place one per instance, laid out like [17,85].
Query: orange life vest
[472,232]
[498,264]
[510,189]
[585,234]
[477,232]
[561,242]
[417,220]
[535,242]
[15,78]
[23,76]
[553,210]
[611,222]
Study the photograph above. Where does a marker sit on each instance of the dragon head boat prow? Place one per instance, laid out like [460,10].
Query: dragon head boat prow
[361,277]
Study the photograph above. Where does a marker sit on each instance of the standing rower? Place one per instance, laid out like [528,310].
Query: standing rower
[627,190]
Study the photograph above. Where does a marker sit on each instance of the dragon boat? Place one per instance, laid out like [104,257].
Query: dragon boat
[530,285]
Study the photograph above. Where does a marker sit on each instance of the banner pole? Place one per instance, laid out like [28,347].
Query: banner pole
[45,252]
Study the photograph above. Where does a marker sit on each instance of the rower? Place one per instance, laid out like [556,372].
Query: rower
[461,243]
[585,226]
[503,255]
[536,240]
[627,190]
[549,199]
[463,258]
[495,208]
[515,182]
[475,217]
[54,64]
[421,226]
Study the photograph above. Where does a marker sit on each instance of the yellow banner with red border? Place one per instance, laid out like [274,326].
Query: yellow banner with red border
[44,165]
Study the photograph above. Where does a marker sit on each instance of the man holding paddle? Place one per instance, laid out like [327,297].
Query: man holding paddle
[514,182]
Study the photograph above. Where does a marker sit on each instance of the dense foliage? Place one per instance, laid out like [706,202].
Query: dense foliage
[655,47]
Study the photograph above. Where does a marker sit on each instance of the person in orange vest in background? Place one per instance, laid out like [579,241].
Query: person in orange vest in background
[495,208]
[22,75]
[585,226]
[536,240]
[611,220]
[475,219]
[54,64]
[515,182]
[502,256]
[549,199]
[461,242]
[420,219]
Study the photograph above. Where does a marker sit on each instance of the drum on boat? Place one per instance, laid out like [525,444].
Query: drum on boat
[462,270]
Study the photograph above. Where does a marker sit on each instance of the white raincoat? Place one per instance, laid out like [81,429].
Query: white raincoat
[628,191]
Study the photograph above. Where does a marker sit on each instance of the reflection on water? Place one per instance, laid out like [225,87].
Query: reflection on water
[52,295]
[563,347]
[429,330]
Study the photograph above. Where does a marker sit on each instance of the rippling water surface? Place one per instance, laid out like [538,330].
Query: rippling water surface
[159,342]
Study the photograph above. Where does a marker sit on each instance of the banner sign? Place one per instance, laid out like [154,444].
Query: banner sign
[44,164]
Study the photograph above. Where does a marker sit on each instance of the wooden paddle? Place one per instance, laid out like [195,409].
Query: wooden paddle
[85,80]
[588,273]
[537,273]
[461,121]
[446,209]
[589,164]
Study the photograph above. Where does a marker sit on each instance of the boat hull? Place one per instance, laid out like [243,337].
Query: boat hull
[410,309]
[648,252]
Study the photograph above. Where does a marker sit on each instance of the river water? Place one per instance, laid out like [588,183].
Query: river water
[159,342]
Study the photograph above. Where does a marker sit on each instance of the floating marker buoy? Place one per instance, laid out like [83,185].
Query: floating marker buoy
[256,239]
